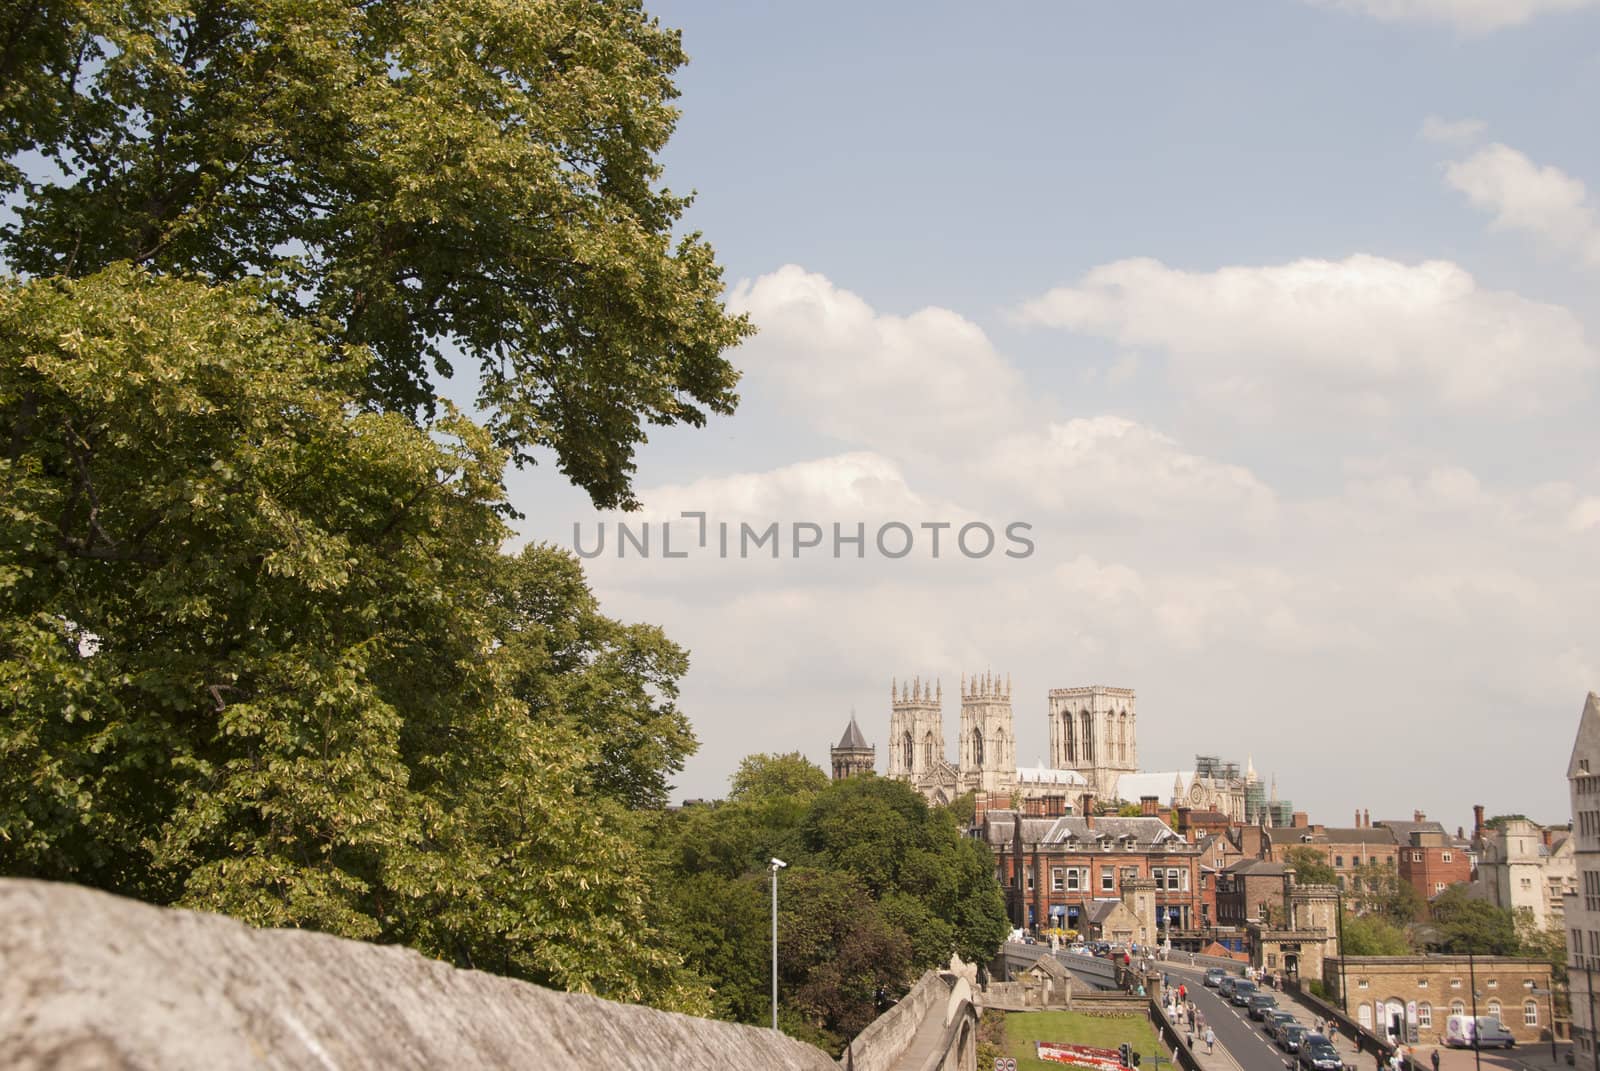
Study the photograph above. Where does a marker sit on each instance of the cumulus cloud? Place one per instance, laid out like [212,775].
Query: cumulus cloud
[1466,16]
[1452,131]
[1125,469]
[1545,202]
[1361,335]
[924,384]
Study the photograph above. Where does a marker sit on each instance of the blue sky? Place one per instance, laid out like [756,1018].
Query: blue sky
[1274,319]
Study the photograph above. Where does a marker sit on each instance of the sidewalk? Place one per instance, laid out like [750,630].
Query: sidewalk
[1219,1060]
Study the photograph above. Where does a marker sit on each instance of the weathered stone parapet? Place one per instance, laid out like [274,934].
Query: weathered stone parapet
[94,981]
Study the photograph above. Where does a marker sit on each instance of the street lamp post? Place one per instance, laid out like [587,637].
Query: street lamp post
[1344,989]
[1472,980]
[775,866]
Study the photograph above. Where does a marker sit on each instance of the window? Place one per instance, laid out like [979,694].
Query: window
[1494,1008]
[1074,881]
[1030,879]
[1361,983]
[1108,880]
[1455,983]
[1438,887]
[1458,1008]
[1338,860]
[1530,1013]
[1494,983]
[1424,1015]
[1422,983]
[1416,857]
[1445,857]
[1058,879]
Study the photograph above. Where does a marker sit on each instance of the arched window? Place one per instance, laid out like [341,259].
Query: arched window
[927,751]
[1122,736]
[1458,1007]
[908,750]
[1086,721]
[1530,1013]
[1494,1008]
[1070,738]
[977,747]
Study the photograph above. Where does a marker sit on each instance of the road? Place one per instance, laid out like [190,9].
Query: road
[1250,1048]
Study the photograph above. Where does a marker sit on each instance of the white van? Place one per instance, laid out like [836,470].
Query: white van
[1459,1031]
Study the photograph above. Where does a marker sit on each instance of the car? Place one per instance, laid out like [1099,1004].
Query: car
[1242,992]
[1318,1054]
[1225,986]
[1260,1005]
[1275,1020]
[1290,1037]
[1214,977]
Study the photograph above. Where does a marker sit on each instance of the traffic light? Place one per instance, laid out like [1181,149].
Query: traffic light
[1125,1054]
[1136,1058]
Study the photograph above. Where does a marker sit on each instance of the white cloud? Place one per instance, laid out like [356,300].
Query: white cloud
[1361,335]
[1110,466]
[924,384]
[1452,131]
[1545,202]
[1466,16]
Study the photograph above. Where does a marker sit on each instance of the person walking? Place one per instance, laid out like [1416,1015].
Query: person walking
[1211,1041]
[1436,1060]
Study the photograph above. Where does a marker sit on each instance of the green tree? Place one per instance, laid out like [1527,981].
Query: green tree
[250,653]
[429,180]
[1310,866]
[775,776]
[1378,889]
[1465,924]
[1373,935]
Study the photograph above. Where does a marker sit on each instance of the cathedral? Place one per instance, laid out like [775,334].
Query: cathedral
[1094,752]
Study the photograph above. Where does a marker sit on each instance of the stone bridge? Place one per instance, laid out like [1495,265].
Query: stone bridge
[94,982]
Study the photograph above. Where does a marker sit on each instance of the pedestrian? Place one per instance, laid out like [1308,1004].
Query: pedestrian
[1191,959]
[1211,1041]
[1435,1060]
[1191,1038]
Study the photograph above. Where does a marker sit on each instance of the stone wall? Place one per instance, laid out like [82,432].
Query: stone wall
[887,1037]
[93,981]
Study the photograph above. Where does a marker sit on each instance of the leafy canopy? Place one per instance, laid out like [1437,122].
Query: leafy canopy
[473,177]
[260,653]
[1310,866]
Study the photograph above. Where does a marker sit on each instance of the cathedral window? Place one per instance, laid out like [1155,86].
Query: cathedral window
[977,747]
[909,750]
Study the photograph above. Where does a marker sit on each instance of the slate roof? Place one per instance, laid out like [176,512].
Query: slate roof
[1143,832]
[852,737]
[1256,868]
[1404,829]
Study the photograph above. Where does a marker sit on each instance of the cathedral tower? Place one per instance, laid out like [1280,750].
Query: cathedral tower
[852,755]
[916,729]
[988,760]
[1094,730]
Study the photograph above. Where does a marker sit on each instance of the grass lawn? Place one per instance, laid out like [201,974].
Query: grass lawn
[1025,1028]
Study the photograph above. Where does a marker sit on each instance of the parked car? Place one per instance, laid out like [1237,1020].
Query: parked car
[1318,1054]
[1242,992]
[1290,1037]
[1214,977]
[1275,1020]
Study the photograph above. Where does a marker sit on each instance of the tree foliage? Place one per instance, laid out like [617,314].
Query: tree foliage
[260,653]
[879,885]
[1464,923]
[427,179]
[1377,889]
[761,777]
[1373,935]
[1310,866]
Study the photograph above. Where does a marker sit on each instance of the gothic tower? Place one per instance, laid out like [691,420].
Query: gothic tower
[916,729]
[853,755]
[1094,730]
[988,760]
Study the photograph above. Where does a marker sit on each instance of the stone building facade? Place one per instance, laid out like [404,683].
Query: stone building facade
[1095,731]
[1526,867]
[1581,912]
[1416,994]
[852,756]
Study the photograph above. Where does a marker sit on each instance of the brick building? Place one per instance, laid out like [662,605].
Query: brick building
[1346,849]
[1250,890]
[1429,858]
[1054,870]
[1423,991]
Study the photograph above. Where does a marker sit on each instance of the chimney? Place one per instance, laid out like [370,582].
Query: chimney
[1418,816]
[1358,817]
[1149,806]
[1299,820]
[1366,819]
[1088,810]
[1477,820]
[1546,833]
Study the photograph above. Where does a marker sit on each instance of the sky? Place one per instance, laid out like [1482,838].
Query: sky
[1272,320]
